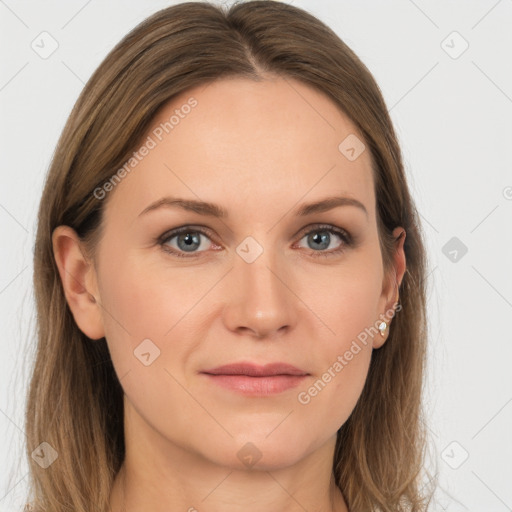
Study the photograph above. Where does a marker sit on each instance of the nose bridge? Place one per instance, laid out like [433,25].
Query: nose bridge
[259,300]
[259,278]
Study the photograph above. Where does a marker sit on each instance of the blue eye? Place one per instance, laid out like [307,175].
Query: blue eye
[189,241]
[321,238]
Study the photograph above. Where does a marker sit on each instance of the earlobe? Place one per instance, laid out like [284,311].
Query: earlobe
[78,280]
[391,293]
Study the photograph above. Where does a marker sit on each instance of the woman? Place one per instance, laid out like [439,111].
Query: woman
[223,238]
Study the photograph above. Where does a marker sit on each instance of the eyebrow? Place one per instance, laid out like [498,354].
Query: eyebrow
[213,210]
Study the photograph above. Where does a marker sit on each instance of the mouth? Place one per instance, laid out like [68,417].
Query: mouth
[256,380]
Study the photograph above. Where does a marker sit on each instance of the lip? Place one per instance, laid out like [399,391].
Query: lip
[255,370]
[256,380]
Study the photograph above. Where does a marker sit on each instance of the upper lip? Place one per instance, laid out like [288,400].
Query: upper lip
[255,370]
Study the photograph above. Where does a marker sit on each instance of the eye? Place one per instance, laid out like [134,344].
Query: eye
[185,240]
[325,237]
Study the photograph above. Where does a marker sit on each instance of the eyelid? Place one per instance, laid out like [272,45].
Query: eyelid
[343,233]
[183,229]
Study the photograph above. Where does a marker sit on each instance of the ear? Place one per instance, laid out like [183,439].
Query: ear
[391,285]
[79,281]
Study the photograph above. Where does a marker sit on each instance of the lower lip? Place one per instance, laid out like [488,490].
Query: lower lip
[257,386]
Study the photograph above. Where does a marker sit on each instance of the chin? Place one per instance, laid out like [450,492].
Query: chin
[259,452]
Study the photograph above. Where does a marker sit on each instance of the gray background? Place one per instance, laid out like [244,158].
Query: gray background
[452,111]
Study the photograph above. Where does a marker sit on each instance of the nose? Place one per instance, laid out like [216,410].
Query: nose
[260,301]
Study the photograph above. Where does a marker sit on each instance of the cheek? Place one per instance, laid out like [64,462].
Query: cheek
[344,299]
[146,306]
[144,301]
[143,311]
[348,305]
[330,395]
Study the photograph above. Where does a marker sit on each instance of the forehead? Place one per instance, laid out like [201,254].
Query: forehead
[273,141]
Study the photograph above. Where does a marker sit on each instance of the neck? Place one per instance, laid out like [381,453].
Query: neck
[273,491]
[161,475]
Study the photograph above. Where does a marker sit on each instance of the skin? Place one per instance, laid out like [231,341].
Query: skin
[258,150]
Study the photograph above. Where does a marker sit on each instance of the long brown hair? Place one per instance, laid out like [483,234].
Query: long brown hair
[75,397]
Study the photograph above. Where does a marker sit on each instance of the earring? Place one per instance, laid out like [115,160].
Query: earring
[383,325]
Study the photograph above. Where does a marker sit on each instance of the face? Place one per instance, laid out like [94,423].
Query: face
[227,243]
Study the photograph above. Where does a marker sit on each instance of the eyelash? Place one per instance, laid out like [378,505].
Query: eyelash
[347,240]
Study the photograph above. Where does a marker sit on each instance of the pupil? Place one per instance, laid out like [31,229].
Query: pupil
[321,239]
[188,240]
